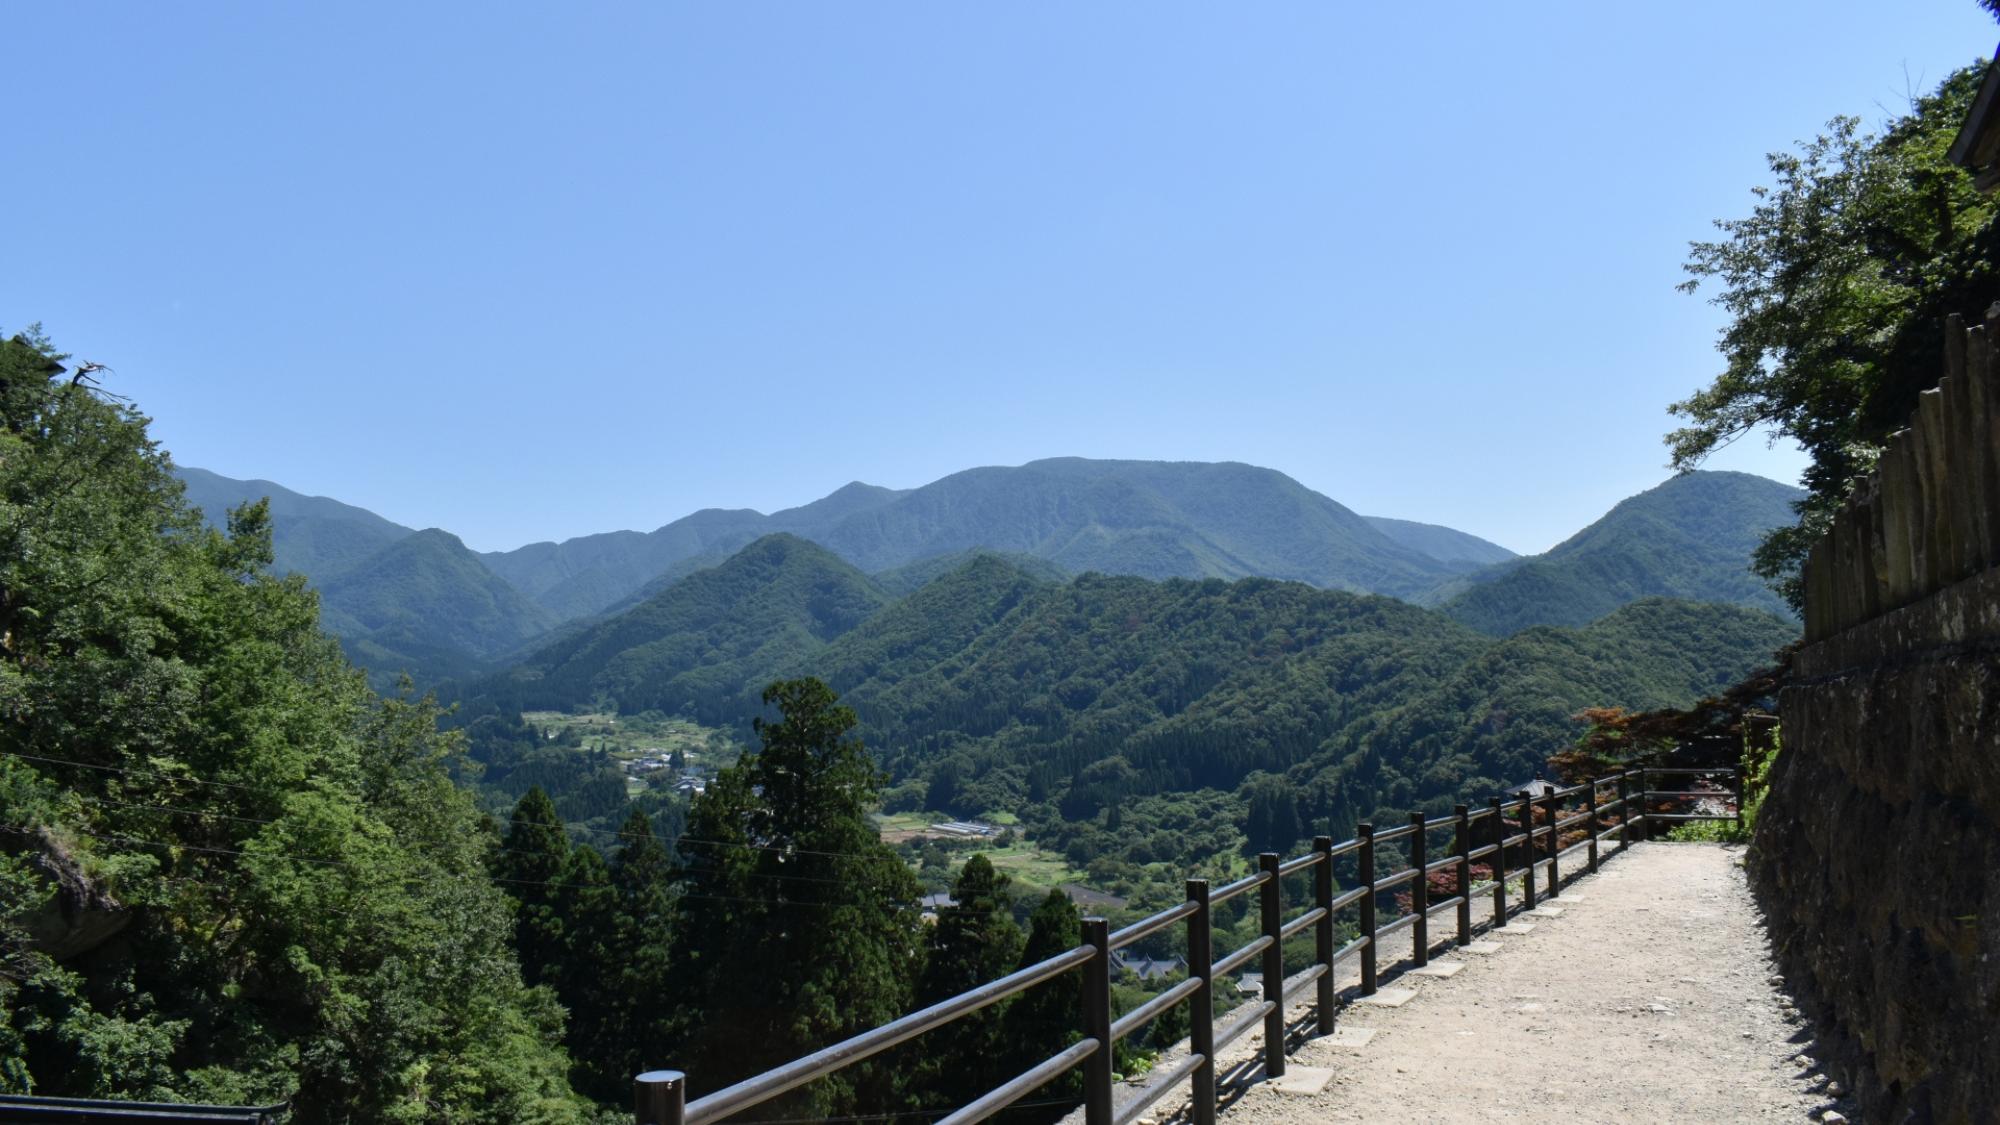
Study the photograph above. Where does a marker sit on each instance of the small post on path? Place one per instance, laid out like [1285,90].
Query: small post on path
[1552,812]
[1274,965]
[1366,834]
[1498,820]
[1591,807]
[1201,1006]
[1097,1023]
[1464,874]
[1323,932]
[659,1097]
[1420,894]
[1528,846]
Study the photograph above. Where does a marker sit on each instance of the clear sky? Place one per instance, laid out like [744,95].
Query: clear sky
[528,271]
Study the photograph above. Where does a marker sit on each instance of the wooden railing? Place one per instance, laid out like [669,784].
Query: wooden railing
[1517,848]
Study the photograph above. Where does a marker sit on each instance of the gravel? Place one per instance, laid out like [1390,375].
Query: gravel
[1654,999]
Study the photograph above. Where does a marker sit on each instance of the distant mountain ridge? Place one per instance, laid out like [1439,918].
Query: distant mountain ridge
[1690,537]
[1009,689]
[443,611]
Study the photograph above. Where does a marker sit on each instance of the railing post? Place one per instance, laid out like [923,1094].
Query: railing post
[1528,846]
[1624,809]
[1590,806]
[1201,1006]
[1420,894]
[1553,812]
[1742,793]
[659,1097]
[1097,1023]
[1274,966]
[1323,932]
[1464,874]
[1645,781]
[1366,834]
[1499,822]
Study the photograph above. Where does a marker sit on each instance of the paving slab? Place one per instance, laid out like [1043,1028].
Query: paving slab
[1389,997]
[1485,947]
[1547,912]
[1302,1081]
[1353,1038]
[1445,969]
[1516,928]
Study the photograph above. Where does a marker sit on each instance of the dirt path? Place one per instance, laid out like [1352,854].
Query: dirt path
[1649,997]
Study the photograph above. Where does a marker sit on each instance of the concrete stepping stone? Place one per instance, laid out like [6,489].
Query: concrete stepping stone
[1547,911]
[1516,928]
[1389,997]
[1441,969]
[1353,1038]
[1302,1081]
[1487,947]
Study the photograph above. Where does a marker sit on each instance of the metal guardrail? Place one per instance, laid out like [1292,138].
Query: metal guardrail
[93,1111]
[659,1097]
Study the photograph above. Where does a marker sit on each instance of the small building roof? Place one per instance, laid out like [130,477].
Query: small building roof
[1977,148]
[1539,787]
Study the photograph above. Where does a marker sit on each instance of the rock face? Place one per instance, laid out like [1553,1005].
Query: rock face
[1877,855]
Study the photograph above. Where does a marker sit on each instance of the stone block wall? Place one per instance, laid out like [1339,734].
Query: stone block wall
[1877,854]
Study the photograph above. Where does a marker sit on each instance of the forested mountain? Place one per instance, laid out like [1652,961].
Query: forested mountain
[991,688]
[704,646]
[403,601]
[1690,537]
[427,602]
[1447,545]
[1150,518]
[311,535]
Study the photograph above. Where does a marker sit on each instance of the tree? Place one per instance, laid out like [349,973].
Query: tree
[801,926]
[529,868]
[1837,286]
[975,941]
[1047,1018]
[302,890]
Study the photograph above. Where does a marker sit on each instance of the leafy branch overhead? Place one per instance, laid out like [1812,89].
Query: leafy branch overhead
[1837,286]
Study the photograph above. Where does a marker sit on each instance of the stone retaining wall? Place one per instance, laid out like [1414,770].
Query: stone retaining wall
[1877,856]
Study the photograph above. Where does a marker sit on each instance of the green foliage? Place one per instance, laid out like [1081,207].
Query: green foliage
[690,650]
[1757,763]
[974,941]
[268,884]
[806,929]
[1044,1019]
[1837,285]
[1691,537]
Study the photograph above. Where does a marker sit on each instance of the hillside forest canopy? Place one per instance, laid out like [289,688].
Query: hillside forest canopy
[233,873]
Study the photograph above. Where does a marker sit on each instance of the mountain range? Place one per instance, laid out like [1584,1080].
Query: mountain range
[404,599]
[993,688]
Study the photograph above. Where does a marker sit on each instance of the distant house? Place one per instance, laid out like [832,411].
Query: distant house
[964,828]
[1537,788]
[1977,149]
[1092,900]
[1147,968]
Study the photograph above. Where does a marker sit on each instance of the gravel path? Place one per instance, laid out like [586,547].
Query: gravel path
[1651,997]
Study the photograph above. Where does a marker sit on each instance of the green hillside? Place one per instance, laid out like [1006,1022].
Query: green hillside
[1690,538]
[706,645]
[426,604]
[994,689]
[311,535]
[1154,519]
[1447,545]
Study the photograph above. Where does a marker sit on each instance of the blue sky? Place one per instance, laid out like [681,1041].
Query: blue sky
[533,271]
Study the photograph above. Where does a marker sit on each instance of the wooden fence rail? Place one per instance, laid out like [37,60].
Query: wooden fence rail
[1535,851]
